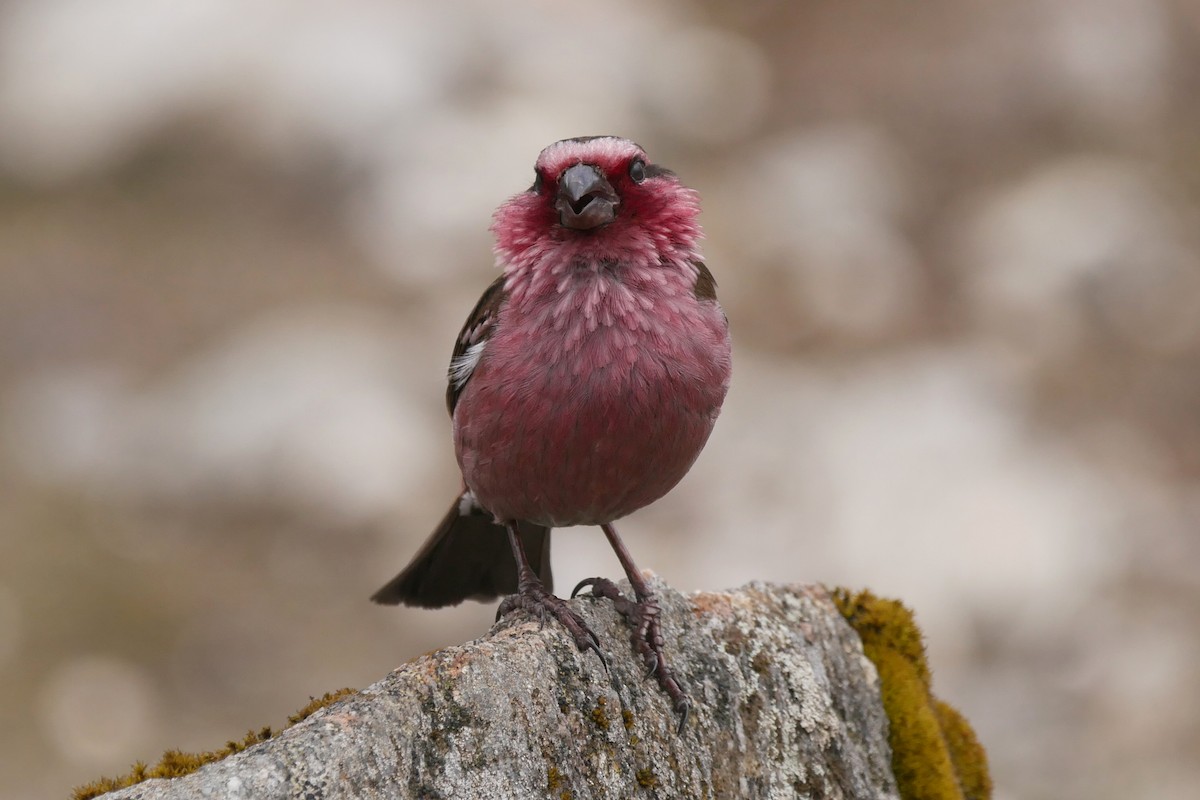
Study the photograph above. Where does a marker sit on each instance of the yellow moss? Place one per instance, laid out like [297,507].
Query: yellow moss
[554,781]
[175,763]
[316,704]
[886,623]
[646,778]
[935,755]
[600,714]
[965,751]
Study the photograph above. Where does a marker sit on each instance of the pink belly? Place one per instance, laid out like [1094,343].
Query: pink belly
[591,438]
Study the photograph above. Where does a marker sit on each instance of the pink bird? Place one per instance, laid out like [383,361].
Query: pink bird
[582,387]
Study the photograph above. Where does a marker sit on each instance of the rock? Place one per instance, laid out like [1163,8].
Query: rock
[785,704]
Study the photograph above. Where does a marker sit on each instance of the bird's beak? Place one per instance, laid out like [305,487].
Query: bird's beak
[585,199]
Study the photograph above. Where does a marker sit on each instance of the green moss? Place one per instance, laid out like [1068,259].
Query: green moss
[176,763]
[935,755]
[646,778]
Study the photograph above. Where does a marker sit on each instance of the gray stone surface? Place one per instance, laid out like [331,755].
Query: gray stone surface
[785,706]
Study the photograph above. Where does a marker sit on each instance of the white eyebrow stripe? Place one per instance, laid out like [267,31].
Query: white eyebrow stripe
[464,364]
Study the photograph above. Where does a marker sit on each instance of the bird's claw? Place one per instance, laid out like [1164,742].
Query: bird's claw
[534,599]
[651,665]
[594,645]
[683,708]
[642,616]
[599,587]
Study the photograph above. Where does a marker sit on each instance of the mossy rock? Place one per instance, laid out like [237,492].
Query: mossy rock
[935,754]
[176,763]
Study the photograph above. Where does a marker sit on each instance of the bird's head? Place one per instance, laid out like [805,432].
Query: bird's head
[599,194]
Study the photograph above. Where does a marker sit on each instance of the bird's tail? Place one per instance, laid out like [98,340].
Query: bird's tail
[467,558]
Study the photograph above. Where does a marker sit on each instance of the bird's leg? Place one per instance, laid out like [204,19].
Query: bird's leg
[532,596]
[643,616]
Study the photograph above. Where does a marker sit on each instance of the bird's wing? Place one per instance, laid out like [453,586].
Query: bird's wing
[705,287]
[472,339]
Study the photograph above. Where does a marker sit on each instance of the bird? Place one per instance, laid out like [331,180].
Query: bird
[582,387]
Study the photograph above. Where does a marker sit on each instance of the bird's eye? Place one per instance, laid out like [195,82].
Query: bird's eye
[637,170]
[537,181]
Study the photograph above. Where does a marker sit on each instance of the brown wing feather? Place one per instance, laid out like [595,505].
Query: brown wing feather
[475,331]
[705,287]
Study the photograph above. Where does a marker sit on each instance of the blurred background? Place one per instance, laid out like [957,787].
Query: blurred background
[958,243]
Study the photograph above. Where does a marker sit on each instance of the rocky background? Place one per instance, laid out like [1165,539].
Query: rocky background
[958,243]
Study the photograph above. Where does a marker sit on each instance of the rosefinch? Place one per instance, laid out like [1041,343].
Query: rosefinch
[582,387]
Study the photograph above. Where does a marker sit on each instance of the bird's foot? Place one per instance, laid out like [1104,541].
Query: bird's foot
[532,597]
[642,616]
